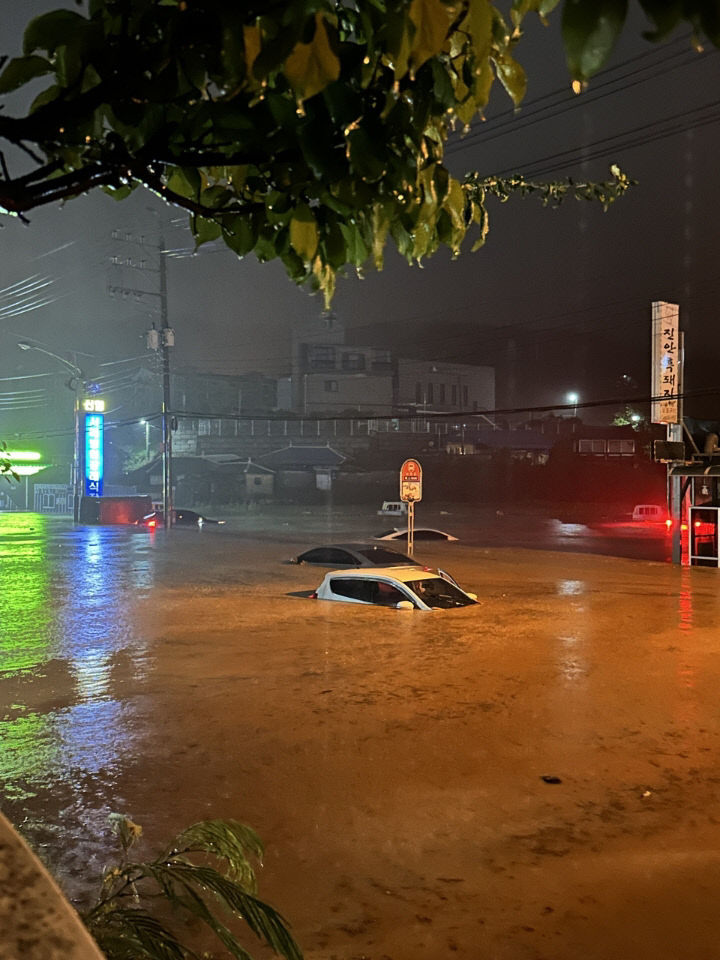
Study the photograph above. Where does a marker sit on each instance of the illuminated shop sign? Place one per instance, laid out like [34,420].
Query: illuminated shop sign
[93,405]
[93,454]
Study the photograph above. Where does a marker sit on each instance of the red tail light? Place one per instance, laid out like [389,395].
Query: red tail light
[313,596]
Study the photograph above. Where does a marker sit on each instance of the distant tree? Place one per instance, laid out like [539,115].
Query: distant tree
[629,417]
[312,131]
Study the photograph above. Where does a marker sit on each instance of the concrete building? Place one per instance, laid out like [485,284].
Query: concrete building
[328,377]
[423,386]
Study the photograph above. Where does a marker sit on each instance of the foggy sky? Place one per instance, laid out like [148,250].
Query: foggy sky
[570,287]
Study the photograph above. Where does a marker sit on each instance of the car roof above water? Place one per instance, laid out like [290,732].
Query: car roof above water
[405,574]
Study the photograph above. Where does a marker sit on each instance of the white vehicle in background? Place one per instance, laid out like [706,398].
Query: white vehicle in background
[650,513]
[402,588]
[419,533]
[393,508]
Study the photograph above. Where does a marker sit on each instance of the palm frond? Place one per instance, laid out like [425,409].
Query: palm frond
[266,923]
[125,931]
[130,934]
[228,840]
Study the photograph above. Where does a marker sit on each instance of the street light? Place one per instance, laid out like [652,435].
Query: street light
[76,383]
[573,398]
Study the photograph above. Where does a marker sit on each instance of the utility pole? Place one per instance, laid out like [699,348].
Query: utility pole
[167,340]
[158,340]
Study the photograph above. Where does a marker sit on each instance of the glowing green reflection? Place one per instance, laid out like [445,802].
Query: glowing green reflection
[24,596]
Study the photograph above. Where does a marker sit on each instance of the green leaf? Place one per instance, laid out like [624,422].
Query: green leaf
[51,30]
[239,233]
[432,22]
[364,156]
[185,181]
[22,69]
[312,66]
[590,29]
[119,193]
[512,76]
[333,243]
[204,230]
[304,233]
[357,251]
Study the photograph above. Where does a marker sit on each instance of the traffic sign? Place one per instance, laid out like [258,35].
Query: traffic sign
[411,481]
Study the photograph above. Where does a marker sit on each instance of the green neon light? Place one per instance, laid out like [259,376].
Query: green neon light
[23,455]
[28,470]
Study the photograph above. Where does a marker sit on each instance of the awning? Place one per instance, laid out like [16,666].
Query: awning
[695,470]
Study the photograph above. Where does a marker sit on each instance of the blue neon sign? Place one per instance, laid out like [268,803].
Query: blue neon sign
[94,454]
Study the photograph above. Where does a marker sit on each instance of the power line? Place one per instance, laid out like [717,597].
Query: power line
[547,107]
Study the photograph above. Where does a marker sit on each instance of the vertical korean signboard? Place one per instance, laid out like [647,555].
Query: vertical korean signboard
[94,425]
[666,363]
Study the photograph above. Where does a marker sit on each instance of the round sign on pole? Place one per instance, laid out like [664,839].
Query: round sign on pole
[411,481]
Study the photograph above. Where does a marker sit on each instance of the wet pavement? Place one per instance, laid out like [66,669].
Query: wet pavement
[392,761]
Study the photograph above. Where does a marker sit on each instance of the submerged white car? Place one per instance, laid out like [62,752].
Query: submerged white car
[404,588]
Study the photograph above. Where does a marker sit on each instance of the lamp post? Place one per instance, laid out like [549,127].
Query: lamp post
[76,383]
[146,424]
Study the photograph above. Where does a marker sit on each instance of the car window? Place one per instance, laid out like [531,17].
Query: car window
[436,592]
[326,555]
[382,556]
[368,591]
[387,595]
[355,589]
[429,535]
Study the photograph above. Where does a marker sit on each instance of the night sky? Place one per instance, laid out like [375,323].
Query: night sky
[558,300]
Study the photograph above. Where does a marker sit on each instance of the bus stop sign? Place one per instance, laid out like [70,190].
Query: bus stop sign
[411,481]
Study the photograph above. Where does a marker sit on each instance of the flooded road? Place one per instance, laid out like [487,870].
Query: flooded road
[534,778]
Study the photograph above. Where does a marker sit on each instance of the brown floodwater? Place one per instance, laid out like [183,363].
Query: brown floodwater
[533,778]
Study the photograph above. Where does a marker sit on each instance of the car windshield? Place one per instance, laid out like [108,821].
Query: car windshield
[436,592]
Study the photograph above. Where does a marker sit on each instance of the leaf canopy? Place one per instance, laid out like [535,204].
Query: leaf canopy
[311,132]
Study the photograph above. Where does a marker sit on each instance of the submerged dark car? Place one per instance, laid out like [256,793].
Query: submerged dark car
[339,555]
[181,518]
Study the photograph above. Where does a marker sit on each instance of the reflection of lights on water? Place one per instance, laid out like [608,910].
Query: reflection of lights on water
[92,674]
[572,665]
[66,615]
[685,601]
[39,750]
[24,592]
[570,588]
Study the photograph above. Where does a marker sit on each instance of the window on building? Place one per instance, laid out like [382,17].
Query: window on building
[442,393]
[465,396]
[320,357]
[622,448]
[209,428]
[591,446]
[418,393]
[331,386]
[430,393]
[453,395]
[353,361]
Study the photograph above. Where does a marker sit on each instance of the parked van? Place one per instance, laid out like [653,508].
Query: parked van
[393,508]
[650,513]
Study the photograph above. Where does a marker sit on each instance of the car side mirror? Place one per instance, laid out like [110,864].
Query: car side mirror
[404,605]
